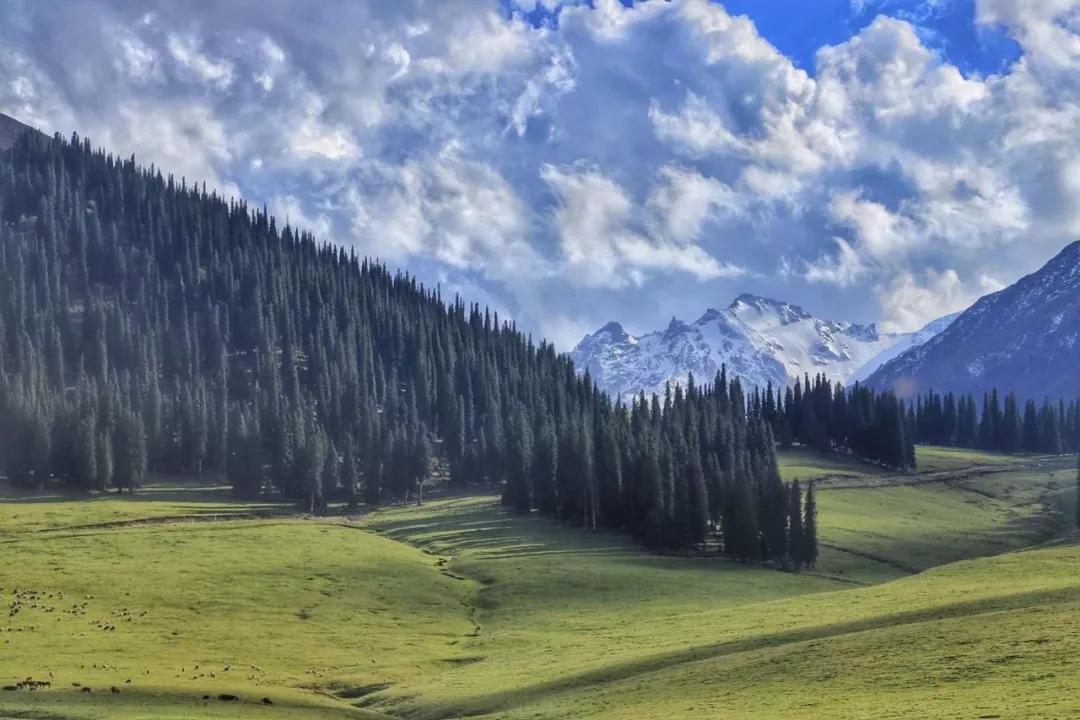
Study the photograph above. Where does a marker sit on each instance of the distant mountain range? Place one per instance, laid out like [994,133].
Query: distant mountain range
[1025,338]
[760,340]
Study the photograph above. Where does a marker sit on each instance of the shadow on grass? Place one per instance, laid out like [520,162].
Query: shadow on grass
[504,700]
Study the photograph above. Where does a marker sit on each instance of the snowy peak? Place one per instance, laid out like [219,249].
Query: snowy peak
[614,331]
[750,308]
[760,340]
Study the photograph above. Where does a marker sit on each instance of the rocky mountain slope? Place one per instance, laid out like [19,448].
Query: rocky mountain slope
[1024,338]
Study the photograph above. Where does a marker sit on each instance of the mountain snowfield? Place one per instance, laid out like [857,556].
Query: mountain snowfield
[903,344]
[760,340]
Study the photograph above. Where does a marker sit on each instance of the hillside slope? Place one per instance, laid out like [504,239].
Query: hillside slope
[11,130]
[1025,338]
[458,608]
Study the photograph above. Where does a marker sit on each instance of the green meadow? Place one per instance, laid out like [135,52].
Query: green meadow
[953,592]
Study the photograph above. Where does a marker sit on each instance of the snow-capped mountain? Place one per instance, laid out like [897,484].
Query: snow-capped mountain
[903,343]
[1025,338]
[758,339]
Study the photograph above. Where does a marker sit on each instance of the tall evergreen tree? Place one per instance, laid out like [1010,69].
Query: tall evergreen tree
[810,541]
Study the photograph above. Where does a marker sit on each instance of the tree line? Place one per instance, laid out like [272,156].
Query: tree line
[946,419]
[824,415]
[151,326]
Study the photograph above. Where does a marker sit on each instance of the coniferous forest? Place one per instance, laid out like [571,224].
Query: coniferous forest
[1050,428]
[151,326]
[826,416]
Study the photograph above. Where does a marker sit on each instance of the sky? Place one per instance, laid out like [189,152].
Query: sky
[572,163]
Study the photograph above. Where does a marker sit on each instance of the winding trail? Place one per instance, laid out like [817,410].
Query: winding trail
[849,482]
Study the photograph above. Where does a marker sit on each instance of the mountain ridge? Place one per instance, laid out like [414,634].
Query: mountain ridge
[1022,338]
[761,340]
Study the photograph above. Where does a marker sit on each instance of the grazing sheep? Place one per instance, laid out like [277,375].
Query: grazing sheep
[85,690]
[114,690]
[228,698]
[267,701]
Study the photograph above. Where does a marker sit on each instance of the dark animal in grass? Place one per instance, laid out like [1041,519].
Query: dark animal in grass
[267,701]
[228,698]
[10,688]
[85,690]
[114,690]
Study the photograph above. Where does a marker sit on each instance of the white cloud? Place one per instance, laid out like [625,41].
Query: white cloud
[911,300]
[1048,30]
[881,234]
[314,138]
[202,67]
[843,268]
[697,127]
[601,238]
[445,207]
[648,158]
[684,200]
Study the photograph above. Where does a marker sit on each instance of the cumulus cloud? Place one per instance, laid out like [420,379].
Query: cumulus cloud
[601,240]
[445,207]
[910,298]
[646,160]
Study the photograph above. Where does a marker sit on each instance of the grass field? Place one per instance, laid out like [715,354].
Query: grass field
[458,609]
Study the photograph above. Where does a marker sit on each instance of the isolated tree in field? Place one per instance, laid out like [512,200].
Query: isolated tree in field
[810,543]
[796,536]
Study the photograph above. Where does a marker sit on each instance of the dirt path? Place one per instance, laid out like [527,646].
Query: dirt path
[848,482]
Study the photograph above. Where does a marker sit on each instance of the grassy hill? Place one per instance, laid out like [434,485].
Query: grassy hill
[456,608]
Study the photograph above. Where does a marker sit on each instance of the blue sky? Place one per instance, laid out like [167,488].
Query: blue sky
[872,160]
[799,27]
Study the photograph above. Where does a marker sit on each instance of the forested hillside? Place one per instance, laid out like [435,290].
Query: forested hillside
[148,325]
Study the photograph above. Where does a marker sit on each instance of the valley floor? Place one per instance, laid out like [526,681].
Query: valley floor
[951,593]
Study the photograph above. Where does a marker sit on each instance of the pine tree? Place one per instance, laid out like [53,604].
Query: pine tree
[130,455]
[796,545]
[350,481]
[810,542]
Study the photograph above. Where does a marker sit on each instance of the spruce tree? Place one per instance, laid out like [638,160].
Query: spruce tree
[810,542]
[796,537]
